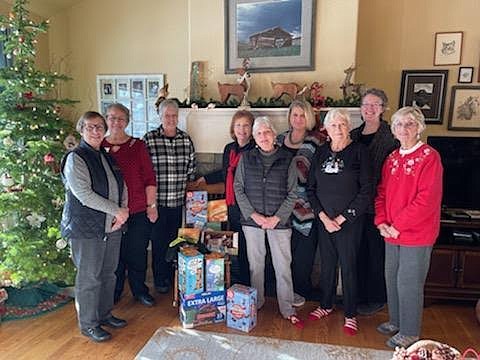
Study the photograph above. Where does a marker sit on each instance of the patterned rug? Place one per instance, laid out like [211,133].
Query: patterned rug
[190,344]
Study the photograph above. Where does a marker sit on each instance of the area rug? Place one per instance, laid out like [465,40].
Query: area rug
[191,344]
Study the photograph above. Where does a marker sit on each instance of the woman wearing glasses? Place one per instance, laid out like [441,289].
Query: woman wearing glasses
[94,212]
[134,161]
[407,214]
[376,135]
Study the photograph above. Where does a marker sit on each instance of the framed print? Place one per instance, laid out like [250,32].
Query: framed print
[427,90]
[104,106]
[153,86]
[123,88]
[464,108]
[107,89]
[465,75]
[274,35]
[138,89]
[448,48]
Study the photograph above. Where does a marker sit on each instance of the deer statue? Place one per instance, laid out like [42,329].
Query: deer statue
[290,89]
[349,88]
[241,89]
[162,95]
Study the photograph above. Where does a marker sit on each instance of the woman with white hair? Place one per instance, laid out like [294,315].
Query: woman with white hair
[407,213]
[265,190]
[340,190]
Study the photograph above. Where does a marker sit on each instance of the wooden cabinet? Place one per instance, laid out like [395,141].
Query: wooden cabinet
[455,263]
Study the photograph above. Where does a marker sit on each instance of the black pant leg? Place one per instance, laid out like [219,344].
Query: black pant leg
[347,242]
[303,256]
[164,231]
[328,267]
[138,235]
[240,270]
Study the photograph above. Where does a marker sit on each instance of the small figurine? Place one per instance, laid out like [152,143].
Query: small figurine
[291,89]
[239,90]
[349,88]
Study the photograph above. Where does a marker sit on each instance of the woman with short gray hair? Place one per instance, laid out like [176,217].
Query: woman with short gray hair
[265,189]
[407,214]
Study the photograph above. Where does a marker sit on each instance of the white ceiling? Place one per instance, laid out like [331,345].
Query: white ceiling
[47,8]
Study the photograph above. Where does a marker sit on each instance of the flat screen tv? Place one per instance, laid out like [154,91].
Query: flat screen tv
[461,164]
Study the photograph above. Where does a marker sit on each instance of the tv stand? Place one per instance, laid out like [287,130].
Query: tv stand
[455,261]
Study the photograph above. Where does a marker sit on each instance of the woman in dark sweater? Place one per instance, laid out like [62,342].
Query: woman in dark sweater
[375,133]
[241,133]
[339,189]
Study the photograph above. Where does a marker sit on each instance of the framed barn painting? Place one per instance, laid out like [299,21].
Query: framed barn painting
[425,89]
[275,35]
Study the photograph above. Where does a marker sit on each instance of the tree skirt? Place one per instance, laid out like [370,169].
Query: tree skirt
[32,300]
[190,344]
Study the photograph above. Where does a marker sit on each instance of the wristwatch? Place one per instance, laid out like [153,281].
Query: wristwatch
[152,206]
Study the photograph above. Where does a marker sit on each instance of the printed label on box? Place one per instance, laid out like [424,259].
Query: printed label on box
[196,208]
[224,242]
[190,271]
[241,307]
[200,309]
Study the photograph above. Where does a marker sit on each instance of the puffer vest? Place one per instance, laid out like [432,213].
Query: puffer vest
[266,187]
[78,220]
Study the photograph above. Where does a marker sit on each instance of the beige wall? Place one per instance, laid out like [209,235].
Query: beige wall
[399,35]
[152,36]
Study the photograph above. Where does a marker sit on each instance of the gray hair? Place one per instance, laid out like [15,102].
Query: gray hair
[412,113]
[263,121]
[164,105]
[344,114]
[307,108]
[88,116]
[378,93]
[119,107]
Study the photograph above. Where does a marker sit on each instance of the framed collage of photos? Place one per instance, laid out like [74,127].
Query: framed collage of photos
[138,93]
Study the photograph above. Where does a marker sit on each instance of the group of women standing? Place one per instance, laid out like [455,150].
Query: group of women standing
[370,208]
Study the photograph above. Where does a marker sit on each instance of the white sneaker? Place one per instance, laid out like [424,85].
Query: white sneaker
[298,300]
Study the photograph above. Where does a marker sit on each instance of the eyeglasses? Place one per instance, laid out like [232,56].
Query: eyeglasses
[116,118]
[374,105]
[405,125]
[91,128]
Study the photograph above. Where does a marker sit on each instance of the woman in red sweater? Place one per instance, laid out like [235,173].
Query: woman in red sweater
[407,214]
[134,161]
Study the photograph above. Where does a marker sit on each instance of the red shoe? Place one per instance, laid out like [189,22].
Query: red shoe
[296,321]
[319,313]
[350,327]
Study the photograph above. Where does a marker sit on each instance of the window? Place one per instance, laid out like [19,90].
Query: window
[138,93]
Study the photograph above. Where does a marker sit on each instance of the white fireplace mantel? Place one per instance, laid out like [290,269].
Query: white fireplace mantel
[210,128]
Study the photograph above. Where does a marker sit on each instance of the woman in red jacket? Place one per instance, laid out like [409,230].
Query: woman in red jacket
[407,213]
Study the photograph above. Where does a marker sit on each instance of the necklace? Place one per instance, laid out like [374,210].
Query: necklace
[294,142]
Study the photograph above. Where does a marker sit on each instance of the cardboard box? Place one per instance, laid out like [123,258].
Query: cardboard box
[190,271]
[191,234]
[201,309]
[217,211]
[196,208]
[224,242]
[241,307]
[214,272]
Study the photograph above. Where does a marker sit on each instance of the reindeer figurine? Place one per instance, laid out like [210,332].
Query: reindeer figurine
[240,90]
[162,95]
[349,88]
[290,89]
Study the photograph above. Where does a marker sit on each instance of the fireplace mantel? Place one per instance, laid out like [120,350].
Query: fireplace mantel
[210,128]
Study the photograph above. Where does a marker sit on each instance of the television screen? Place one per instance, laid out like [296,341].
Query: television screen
[461,166]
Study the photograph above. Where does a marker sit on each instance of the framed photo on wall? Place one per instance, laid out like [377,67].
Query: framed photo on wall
[464,111]
[448,48]
[465,75]
[274,35]
[425,89]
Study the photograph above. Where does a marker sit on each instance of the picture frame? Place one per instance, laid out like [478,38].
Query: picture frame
[123,88]
[464,114]
[107,89]
[153,87]
[465,75]
[448,48]
[274,36]
[138,88]
[426,89]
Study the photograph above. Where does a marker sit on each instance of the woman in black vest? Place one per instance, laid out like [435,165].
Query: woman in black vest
[94,212]
[265,190]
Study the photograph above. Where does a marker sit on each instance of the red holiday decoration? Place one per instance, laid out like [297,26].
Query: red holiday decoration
[28,95]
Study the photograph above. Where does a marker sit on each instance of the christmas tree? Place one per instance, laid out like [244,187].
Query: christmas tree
[32,137]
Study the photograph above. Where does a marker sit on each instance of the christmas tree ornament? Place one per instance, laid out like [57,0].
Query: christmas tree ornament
[7,180]
[61,244]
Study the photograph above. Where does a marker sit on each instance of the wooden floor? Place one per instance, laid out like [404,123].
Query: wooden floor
[56,336]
